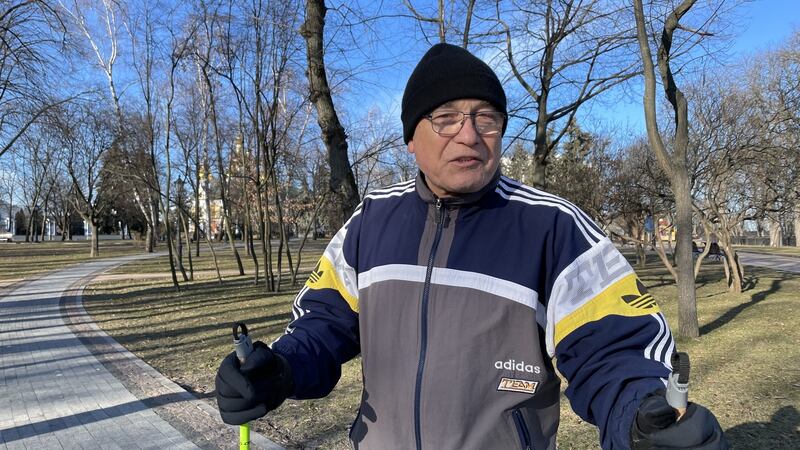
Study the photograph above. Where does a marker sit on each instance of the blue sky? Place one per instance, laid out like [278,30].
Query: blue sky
[754,26]
[758,25]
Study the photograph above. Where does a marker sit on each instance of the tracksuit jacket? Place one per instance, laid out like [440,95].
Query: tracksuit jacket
[458,307]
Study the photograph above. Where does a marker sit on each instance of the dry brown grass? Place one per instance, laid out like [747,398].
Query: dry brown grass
[24,259]
[744,367]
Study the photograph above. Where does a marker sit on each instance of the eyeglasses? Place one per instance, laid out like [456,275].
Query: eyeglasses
[449,123]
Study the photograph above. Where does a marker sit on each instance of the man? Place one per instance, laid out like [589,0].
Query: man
[458,288]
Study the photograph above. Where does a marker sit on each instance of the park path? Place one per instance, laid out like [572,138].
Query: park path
[64,384]
[777,262]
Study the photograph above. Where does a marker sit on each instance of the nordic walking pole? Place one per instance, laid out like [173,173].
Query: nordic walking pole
[678,383]
[243,345]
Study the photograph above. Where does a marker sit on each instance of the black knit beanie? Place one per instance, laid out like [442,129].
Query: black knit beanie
[445,73]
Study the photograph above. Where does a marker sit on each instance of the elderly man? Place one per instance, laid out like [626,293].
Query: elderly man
[458,289]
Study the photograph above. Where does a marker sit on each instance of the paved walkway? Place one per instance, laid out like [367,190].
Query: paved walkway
[65,384]
[777,262]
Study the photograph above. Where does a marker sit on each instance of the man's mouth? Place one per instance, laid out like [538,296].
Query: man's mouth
[466,160]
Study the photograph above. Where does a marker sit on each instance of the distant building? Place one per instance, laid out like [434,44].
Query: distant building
[6,220]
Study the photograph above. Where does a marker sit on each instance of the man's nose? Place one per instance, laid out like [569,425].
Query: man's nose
[468,135]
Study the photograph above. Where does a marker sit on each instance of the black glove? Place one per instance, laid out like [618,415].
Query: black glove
[655,427]
[253,389]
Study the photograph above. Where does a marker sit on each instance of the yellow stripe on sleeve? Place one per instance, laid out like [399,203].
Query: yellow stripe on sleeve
[627,297]
[324,276]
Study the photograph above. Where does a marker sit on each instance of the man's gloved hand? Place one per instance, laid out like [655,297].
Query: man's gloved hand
[655,427]
[250,390]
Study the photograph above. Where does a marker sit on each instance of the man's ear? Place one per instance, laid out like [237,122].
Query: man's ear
[411,148]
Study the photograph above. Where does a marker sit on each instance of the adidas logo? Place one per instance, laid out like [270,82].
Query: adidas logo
[519,366]
[316,275]
[643,300]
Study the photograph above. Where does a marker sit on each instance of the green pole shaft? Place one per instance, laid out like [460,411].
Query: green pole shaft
[244,437]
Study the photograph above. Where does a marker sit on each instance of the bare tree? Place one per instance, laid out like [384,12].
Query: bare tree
[203,54]
[673,159]
[562,53]
[87,135]
[342,181]
[29,32]
[104,50]
[775,83]
[35,166]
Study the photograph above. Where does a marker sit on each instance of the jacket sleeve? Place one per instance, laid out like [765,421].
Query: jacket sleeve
[324,332]
[611,341]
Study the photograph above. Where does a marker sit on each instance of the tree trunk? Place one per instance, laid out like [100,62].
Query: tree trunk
[179,250]
[214,258]
[687,302]
[148,238]
[95,250]
[539,172]
[249,242]
[29,231]
[197,221]
[674,163]
[796,226]
[185,226]
[733,270]
[662,254]
[641,256]
[223,195]
[775,233]
[302,244]
[707,239]
[342,181]
[170,246]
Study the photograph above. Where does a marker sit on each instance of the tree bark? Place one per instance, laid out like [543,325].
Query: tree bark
[95,250]
[775,233]
[185,226]
[674,164]
[342,181]
[796,225]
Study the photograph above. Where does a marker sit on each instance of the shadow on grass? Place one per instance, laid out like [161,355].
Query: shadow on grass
[755,299]
[779,433]
[157,299]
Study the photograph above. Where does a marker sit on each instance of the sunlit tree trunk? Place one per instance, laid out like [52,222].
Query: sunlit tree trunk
[674,163]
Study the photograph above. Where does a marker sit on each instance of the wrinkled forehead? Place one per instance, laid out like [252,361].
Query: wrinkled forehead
[466,104]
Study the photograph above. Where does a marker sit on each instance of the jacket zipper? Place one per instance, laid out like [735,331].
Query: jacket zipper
[424,322]
[522,430]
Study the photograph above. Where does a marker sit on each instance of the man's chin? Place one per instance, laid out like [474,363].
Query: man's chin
[467,187]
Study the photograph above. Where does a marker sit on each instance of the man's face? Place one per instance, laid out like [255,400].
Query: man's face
[458,164]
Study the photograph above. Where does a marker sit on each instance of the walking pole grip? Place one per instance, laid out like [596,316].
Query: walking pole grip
[243,346]
[241,341]
[678,383]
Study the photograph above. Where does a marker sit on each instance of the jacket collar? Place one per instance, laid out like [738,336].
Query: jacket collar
[463,199]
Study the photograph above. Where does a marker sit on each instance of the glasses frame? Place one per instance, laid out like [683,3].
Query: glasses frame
[464,116]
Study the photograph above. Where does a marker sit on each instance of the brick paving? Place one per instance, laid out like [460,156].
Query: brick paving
[64,384]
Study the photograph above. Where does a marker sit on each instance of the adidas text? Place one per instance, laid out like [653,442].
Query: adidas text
[519,366]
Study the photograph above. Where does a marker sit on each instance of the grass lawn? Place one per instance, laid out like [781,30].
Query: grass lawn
[745,367]
[24,259]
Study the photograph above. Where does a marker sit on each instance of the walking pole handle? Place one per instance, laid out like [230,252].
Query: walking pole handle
[243,346]
[241,341]
[678,383]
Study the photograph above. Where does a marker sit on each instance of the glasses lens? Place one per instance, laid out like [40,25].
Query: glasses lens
[449,123]
[488,123]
